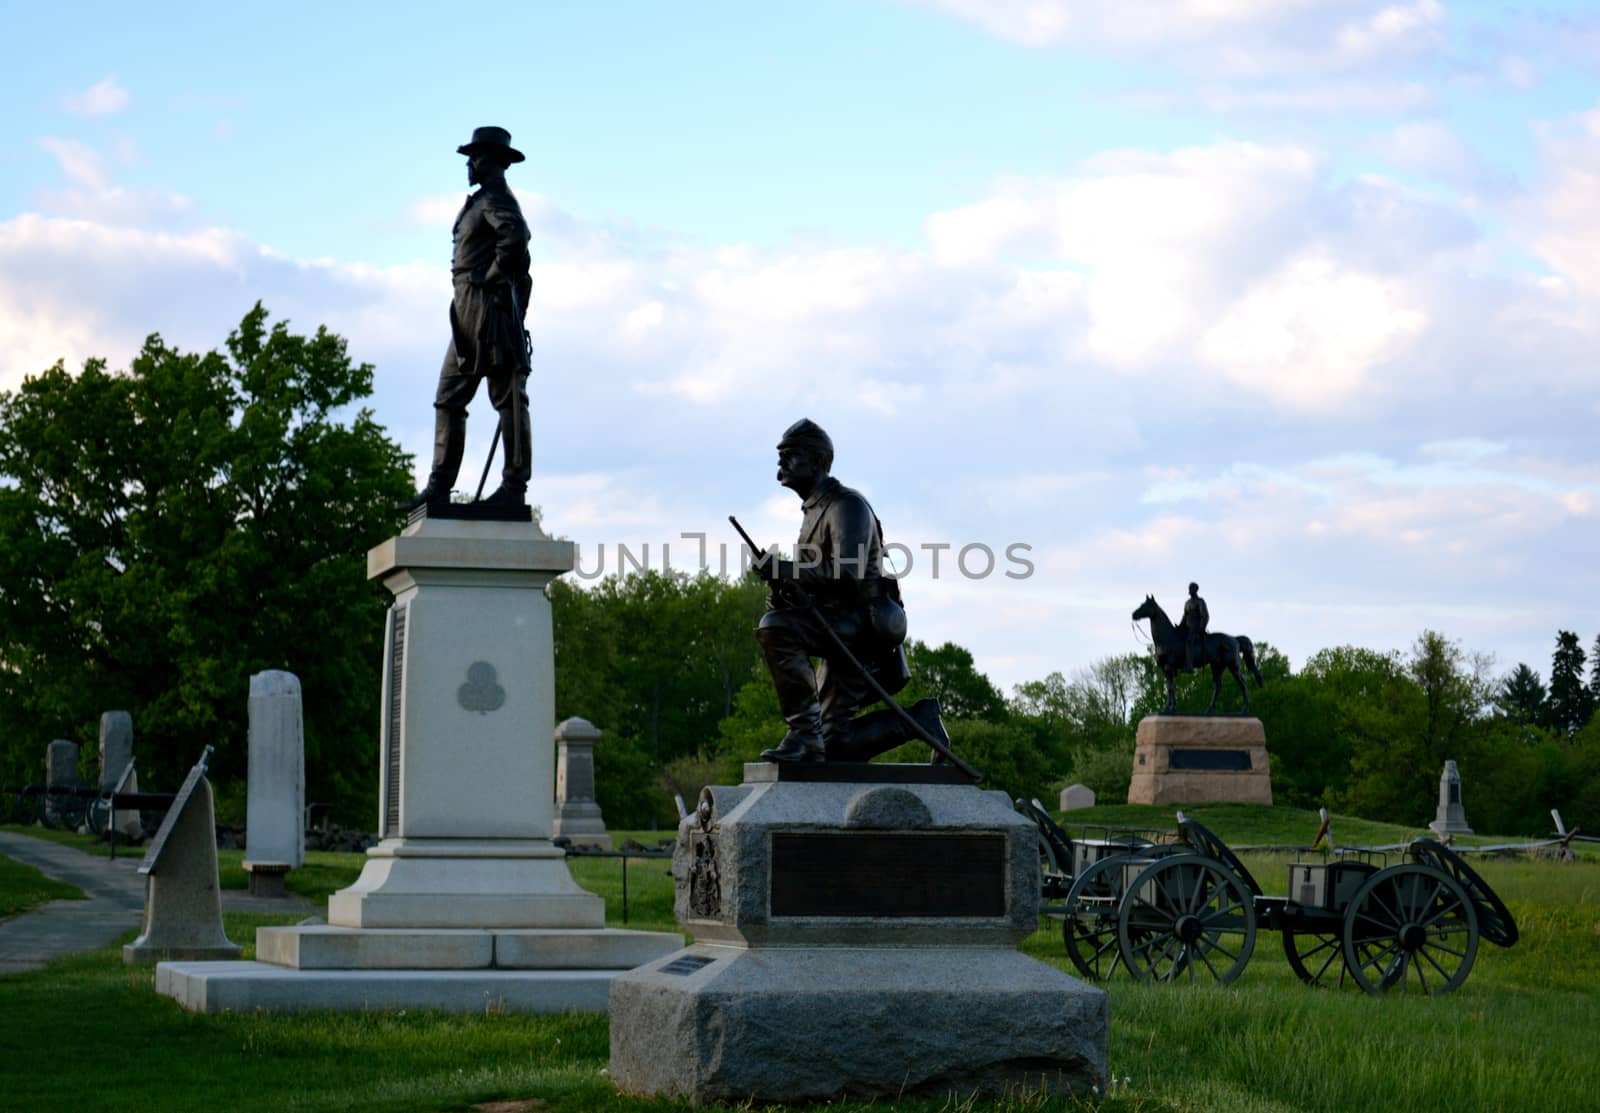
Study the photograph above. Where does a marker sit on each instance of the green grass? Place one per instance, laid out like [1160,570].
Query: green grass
[23,888]
[1518,1035]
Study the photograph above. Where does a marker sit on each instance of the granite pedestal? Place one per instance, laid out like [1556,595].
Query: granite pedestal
[1200,759]
[856,931]
[465,878]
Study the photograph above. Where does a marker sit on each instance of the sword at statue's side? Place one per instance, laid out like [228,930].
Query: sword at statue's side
[802,600]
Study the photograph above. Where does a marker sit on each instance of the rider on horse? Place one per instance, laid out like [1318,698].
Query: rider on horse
[1195,619]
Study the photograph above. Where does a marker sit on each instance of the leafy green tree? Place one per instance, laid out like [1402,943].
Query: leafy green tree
[947,672]
[1083,726]
[1570,704]
[655,659]
[167,531]
[1521,696]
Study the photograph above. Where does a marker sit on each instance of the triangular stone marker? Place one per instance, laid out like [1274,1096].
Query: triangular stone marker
[182,896]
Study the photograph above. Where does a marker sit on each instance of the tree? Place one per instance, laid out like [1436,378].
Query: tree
[168,531]
[1570,705]
[949,674]
[1594,677]
[655,659]
[1521,696]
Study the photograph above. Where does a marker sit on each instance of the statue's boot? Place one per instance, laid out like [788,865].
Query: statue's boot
[804,740]
[449,441]
[878,732]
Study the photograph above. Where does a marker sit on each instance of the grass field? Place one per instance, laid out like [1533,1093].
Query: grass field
[1519,1035]
[23,888]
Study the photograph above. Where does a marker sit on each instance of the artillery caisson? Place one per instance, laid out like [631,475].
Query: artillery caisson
[1190,909]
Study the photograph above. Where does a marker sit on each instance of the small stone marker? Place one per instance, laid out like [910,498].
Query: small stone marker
[182,897]
[276,794]
[60,771]
[577,814]
[1076,796]
[1452,817]
[116,754]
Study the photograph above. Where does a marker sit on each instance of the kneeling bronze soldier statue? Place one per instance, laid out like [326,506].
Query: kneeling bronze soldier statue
[834,602]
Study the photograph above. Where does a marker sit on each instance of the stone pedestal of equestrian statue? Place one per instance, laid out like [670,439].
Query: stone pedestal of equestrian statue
[1200,759]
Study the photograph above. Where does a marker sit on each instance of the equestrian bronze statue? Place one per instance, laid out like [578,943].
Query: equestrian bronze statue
[1174,653]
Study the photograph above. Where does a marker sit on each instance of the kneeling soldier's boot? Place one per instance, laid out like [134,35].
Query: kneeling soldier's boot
[804,740]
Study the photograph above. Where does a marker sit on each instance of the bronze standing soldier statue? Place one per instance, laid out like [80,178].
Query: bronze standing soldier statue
[839,565]
[487,337]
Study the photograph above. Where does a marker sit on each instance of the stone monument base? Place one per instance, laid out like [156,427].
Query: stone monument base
[466,883]
[318,966]
[1200,759]
[720,1023]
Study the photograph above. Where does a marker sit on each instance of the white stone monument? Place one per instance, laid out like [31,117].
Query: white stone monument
[275,837]
[1451,818]
[116,755]
[578,816]
[465,901]
[60,771]
[1074,797]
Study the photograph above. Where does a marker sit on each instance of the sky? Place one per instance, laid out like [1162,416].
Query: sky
[1298,299]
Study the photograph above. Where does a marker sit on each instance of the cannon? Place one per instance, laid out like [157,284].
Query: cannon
[1190,909]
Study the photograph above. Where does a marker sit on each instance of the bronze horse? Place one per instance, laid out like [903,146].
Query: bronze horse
[1220,651]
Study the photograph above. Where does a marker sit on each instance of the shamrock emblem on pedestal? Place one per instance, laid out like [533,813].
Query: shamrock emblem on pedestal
[482,692]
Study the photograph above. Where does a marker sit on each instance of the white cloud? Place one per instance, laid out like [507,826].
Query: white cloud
[1563,212]
[1248,39]
[104,98]
[79,162]
[1309,334]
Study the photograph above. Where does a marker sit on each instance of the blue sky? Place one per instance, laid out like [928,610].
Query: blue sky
[1298,298]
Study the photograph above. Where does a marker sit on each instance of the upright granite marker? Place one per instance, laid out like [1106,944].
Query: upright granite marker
[116,755]
[183,899]
[578,816]
[276,791]
[1451,818]
[60,771]
[856,930]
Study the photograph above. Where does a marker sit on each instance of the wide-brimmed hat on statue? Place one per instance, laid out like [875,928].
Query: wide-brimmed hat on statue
[487,140]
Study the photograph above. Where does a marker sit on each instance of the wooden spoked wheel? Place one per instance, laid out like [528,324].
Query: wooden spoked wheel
[1090,928]
[1411,928]
[1316,956]
[1186,917]
[1495,921]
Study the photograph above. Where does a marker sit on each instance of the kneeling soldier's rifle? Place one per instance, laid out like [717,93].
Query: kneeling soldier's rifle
[798,596]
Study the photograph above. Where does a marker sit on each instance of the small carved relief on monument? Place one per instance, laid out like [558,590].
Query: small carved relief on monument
[482,691]
[705,883]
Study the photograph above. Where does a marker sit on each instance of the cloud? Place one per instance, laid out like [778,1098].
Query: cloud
[1308,334]
[92,195]
[1249,39]
[104,98]
[1314,394]
[1562,213]
[78,161]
